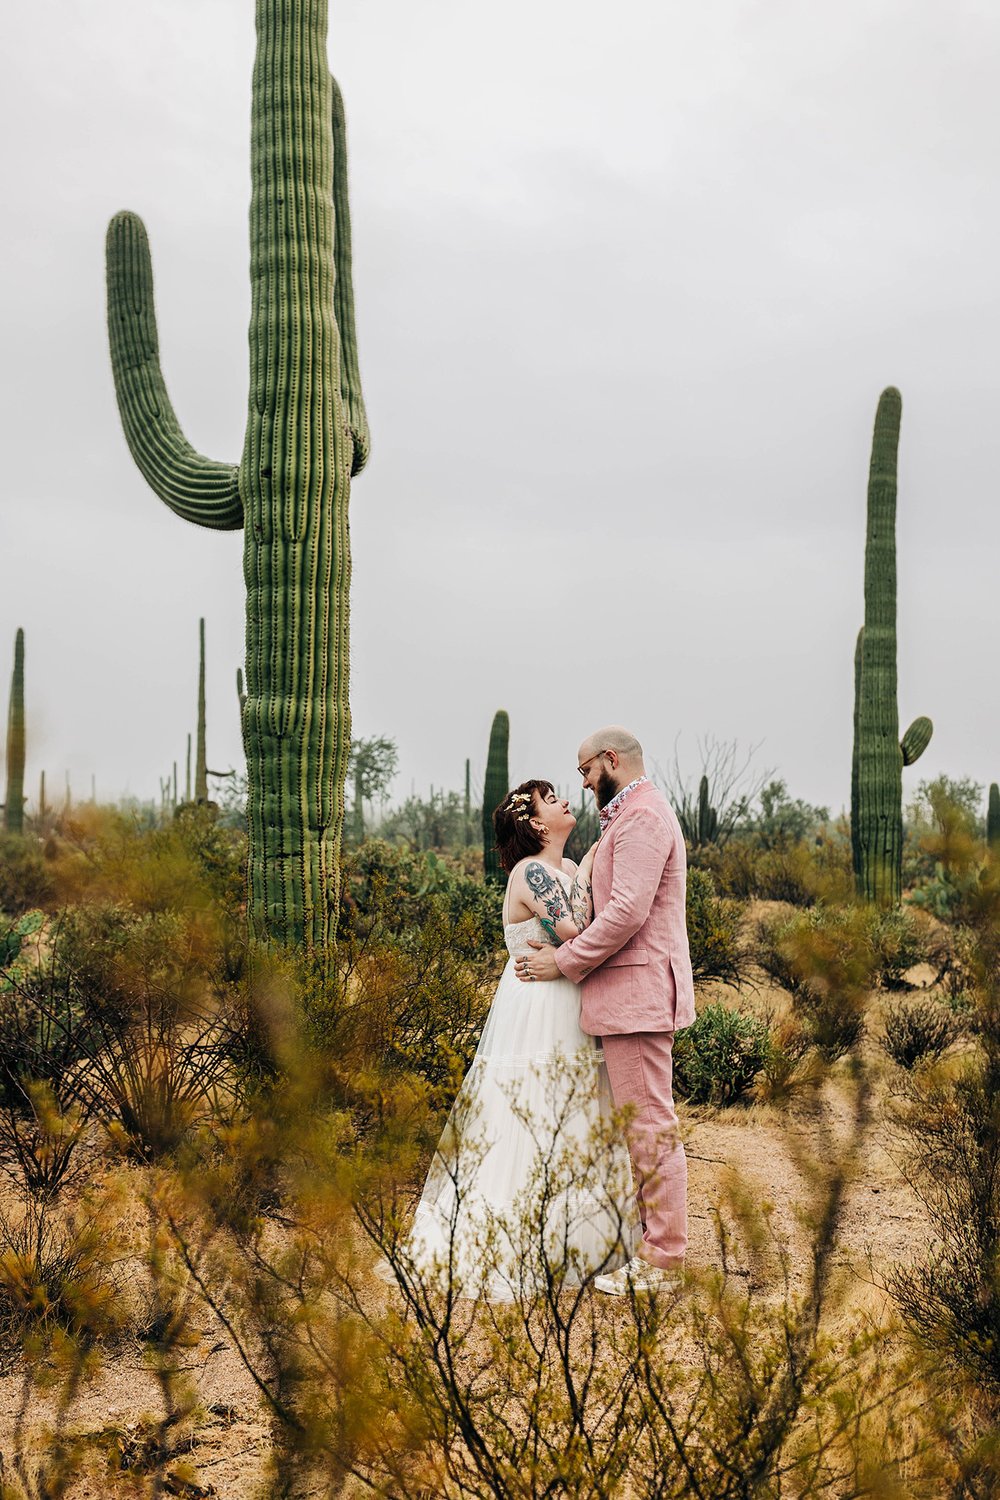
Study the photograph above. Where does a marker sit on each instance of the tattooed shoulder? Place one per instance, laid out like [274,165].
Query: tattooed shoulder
[539,880]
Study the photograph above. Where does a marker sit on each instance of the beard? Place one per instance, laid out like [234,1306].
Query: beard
[606,789]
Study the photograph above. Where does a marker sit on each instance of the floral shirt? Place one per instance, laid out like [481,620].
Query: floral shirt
[609,813]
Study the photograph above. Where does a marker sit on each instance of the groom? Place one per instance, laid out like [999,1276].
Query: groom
[637,990]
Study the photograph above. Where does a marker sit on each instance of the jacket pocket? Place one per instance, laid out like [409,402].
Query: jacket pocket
[626,956]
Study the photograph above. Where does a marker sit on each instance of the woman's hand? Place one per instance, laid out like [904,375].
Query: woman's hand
[587,862]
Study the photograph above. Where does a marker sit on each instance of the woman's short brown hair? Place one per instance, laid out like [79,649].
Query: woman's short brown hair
[516,839]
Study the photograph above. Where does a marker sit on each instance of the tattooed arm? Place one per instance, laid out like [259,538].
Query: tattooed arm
[562,915]
[581,894]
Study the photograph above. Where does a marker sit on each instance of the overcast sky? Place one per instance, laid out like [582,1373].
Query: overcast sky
[629,282]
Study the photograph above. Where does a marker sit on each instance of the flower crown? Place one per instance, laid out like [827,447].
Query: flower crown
[515,804]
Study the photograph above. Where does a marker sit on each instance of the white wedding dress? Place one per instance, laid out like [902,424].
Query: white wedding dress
[531,1181]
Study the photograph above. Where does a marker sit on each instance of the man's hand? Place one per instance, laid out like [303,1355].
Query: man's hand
[538,965]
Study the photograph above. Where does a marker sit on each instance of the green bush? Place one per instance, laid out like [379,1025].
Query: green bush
[799,873]
[397,891]
[718,1058]
[900,940]
[715,928]
[827,959]
[915,1029]
[26,879]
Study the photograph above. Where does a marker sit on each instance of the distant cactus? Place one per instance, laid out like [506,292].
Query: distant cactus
[42,808]
[708,818]
[468,803]
[495,787]
[306,435]
[879,755]
[201,757]
[14,803]
[993,817]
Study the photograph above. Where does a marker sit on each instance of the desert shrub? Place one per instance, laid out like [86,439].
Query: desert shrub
[717,1059]
[396,891]
[792,1064]
[915,1029]
[715,926]
[192,866]
[952,1298]
[410,999]
[55,1275]
[120,1021]
[826,958]
[900,939]
[950,1118]
[417,1391]
[26,880]
[800,873]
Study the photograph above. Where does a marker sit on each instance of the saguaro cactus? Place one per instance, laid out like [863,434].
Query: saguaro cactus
[879,754]
[201,754]
[306,435]
[708,818]
[14,803]
[495,788]
[993,817]
[467,821]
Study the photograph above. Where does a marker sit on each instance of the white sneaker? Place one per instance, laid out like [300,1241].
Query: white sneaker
[639,1276]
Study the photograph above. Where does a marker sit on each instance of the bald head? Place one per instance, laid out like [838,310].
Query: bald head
[610,758]
[622,741]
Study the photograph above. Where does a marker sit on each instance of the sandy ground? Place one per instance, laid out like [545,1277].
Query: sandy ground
[882,1219]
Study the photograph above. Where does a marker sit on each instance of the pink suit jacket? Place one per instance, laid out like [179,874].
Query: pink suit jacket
[633,961]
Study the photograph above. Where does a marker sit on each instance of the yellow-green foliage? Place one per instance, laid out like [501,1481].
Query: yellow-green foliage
[265,1212]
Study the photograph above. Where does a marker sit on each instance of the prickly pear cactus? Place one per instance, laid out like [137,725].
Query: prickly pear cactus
[14,967]
[879,754]
[306,435]
[14,802]
[495,787]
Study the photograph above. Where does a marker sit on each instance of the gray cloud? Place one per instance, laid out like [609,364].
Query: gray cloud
[627,294]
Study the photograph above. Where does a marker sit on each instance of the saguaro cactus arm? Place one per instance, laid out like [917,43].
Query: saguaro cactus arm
[916,739]
[343,291]
[197,488]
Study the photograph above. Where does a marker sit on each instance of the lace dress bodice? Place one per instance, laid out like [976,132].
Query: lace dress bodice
[517,935]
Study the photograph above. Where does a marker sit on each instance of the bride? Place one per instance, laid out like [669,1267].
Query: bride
[530,1184]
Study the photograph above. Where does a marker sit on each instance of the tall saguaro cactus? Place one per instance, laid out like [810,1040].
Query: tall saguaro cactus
[306,436]
[879,754]
[14,803]
[495,787]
